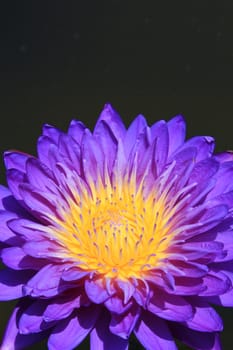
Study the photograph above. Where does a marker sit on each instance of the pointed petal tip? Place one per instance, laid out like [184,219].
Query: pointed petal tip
[109,114]
[113,119]
[179,117]
[108,106]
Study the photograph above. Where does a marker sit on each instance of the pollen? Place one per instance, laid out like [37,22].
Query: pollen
[115,230]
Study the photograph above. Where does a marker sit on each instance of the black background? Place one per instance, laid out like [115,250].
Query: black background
[64,59]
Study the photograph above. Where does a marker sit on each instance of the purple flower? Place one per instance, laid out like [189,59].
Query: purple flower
[115,232]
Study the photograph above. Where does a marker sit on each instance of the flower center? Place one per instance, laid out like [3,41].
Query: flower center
[115,230]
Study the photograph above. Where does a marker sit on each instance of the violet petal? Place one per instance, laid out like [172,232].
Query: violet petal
[102,339]
[70,332]
[153,333]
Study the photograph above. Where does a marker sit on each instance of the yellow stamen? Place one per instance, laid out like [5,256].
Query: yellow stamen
[117,231]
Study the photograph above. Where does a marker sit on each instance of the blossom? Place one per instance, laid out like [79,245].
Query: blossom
[114,232]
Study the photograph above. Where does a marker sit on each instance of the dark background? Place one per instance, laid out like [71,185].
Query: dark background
[64,59]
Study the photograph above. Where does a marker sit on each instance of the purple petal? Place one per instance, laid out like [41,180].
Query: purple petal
[225,299]
[6,235]
[127,288]
[213,213]
[107,141]
[115,304]
[176,130]
[170,307]
[216,284]
[44,146]
[92,158]
[188,286]
[96,291]
[140,157]
[39,176]
[74,329]
[4,193]
[205,318]
[29,230]
[184,157]
[203,144]
[61,308]
[196,340]
[44,249]
[175,284]
[226,269]
[226,238]
[157,129]
[161,144]
[223,180]
[12,282]
[54,158]
[16,160]
[76,130]
[153,333]
[70,152]
[202,174]
[225,198]
[32,320]
[158,279]
[16,259]
[123,325]
[41,204]
[102,339]
[14,179]
[208,220]
[13,340]
[183,167]
[191,269]
[120,164]
[52,133]
[112,118]
[142,293]
[196,250]
[10,204]
[137,127]
[46,282]
[74,274]
[224,157]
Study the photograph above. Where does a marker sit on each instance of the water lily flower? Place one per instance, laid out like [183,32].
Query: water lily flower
[114,232]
